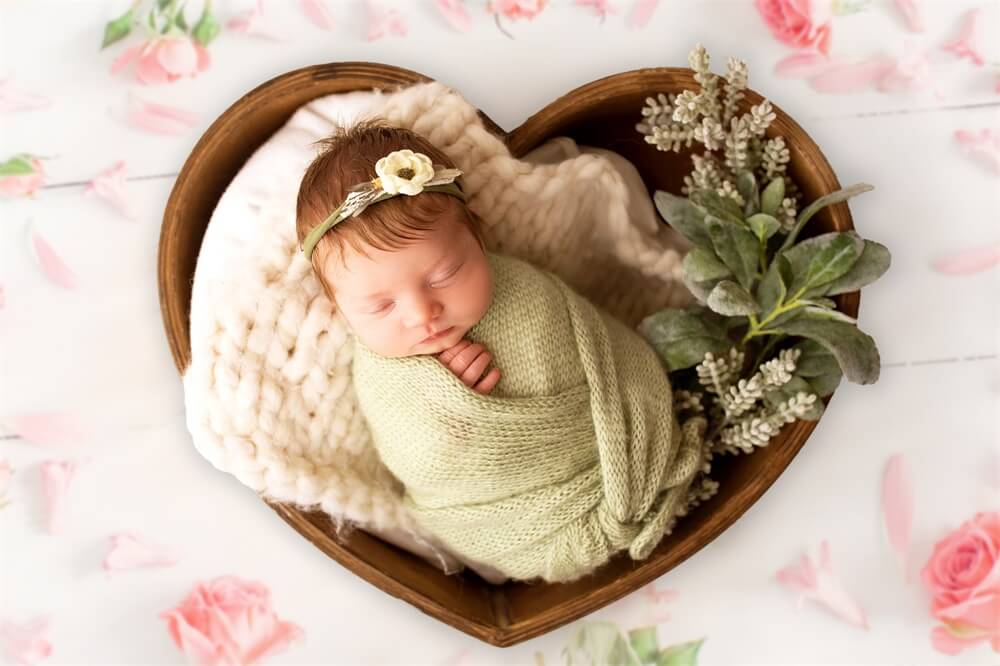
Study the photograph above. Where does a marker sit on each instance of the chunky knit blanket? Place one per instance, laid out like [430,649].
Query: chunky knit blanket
[268,393]
[574,456]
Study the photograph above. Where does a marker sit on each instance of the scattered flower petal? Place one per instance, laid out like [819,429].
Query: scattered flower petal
[454,13]
[968,262]
[229,621]
[910,9]
[601,7]
[13,98]
[21,176]
[966,45]
[818,582]
[318,13]
[45,428]
[130,551]
[253,23]
[159,118]
[984,145]
[897,508]
[164,59]
[384,22]
[516,9]
[54,268]
[853,77]
[803,65]
[57,476]
[5,475]
[642,12]
[911,73]
[25,644]
[656,602]
[110,185]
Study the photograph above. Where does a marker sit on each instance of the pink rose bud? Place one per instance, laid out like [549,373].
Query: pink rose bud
[21,175]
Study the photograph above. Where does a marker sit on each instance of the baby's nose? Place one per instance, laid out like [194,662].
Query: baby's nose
[422,311]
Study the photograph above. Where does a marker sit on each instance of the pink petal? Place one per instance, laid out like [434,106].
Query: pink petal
[910,9]
[969,261]
[318,13]
[454,12]
[130,551]
[818,583]
[642,11]
[657,601]
[159,118]
[46,428]
[897,508]
[984,145]
[848,78]
[601,7]
[382,23]
[56,479]
[5,476]
[178,56]
[254,24]
[52,266]
[25,643]
[966,45]
[803,65]
[126,56]
[110,186]
[13,98]
[911,73]
[948,643]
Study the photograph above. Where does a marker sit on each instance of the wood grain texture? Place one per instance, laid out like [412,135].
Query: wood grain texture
[603,114]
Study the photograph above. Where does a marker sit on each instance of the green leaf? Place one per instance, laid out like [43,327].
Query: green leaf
[681,214]
[681,338]
[19,165]
[746,185]
[737,248]
[815,360]
[117,29]
[683,654]
[206,29]
[825,385]
[700,290]
[732,300]
[855,351]
[763,225]
[599,643]
[792,388]
[773,195]
[645,644]
[873,262]
[820,302]
[773,288]
[716,205]
[826,313]
[820,260]
[816,206]
[180,21]
[701,265]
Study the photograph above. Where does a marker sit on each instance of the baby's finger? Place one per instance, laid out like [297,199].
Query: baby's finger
[489,382]
[465,357]
[476,369]
[448,354]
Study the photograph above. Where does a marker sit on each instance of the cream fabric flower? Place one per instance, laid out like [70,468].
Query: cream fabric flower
[404,171]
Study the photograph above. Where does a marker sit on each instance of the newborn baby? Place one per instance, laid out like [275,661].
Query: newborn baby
[533,433]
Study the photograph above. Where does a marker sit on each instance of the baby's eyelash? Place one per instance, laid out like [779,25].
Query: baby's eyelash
[381,308]
[450,274]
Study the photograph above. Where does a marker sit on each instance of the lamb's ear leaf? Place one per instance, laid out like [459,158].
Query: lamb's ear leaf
[680,214]
[737,247]
[681,338]
[732,300]
[746,185]
[773,195]
[870,266]
[854,350]
[716,205]
[818,261]
[701,265]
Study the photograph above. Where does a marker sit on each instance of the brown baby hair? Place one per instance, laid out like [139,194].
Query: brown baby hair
[348,157]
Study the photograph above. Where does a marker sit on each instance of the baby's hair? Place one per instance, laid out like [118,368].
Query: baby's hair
[348,157]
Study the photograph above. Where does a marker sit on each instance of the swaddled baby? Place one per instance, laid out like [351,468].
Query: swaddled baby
[533,432]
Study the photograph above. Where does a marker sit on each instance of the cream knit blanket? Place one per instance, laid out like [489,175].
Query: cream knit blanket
[268,392]
[574,456]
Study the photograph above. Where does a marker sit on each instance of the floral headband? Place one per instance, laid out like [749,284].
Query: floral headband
[399,172]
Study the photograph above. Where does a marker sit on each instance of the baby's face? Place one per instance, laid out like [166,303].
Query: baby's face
[420,299]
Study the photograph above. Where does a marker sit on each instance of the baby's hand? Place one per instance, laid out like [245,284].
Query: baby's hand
[468,360]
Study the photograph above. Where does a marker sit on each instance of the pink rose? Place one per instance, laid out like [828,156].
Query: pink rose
[963,575]
[798,23]
[516,9]
[228,622]
[22,175]
[164,59]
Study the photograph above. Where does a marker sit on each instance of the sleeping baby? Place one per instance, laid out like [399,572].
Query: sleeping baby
[533,432]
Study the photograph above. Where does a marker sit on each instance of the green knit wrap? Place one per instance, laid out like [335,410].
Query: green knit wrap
[563,464]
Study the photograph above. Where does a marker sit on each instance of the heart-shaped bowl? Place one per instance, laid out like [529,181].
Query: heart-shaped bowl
[602,114]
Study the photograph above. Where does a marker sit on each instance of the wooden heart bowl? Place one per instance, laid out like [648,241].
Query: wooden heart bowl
[602,114]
